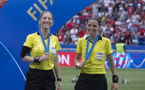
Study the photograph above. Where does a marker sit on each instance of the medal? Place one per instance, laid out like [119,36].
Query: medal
[85,63]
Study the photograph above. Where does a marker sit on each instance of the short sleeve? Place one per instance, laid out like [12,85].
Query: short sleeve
[79,49]
[57,45]
[29,41]
[109,49]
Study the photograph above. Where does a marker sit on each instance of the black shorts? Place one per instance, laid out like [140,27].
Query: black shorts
[40,80]
[91,82]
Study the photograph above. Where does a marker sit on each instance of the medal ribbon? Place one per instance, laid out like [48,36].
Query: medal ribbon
[46,48]
[88,54]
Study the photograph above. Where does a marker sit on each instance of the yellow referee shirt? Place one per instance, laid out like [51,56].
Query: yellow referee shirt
[96,60]
[34,42]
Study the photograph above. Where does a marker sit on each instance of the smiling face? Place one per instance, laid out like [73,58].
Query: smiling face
[46,20]
[92,27]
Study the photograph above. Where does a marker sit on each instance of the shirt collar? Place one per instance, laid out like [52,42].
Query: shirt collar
[99,38]
[44,38]
[39,33]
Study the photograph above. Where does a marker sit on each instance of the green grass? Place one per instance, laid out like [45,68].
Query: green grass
[135,76]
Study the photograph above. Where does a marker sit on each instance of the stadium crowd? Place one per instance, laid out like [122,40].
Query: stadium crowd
[120,20]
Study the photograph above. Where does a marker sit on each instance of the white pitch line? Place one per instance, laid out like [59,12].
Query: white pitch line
[118,85]
[14,60]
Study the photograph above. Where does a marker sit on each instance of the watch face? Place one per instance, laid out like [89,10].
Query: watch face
[36,57]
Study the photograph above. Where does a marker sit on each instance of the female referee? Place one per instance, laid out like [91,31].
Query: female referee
[94,50]
[43,48]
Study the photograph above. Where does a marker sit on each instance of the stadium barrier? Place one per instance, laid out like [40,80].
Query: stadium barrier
[133,58]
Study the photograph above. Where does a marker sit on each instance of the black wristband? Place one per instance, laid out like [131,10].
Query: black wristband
[59,79]
[36,59]
[115,79]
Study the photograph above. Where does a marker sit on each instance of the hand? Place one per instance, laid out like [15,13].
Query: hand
[45,56]
[115,86]
[80,65]
[59,85]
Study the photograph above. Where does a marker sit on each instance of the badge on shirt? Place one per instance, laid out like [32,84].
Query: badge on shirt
[53,50]
[99,56]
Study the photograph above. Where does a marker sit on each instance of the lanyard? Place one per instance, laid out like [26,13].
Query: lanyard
[88,54]
[46,48]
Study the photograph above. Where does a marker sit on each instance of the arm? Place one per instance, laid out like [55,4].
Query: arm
[77,58]
[113,70]
[26,58]
[111,64]
[57,70]
[77,61]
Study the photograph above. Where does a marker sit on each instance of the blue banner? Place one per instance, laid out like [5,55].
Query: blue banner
[18,18]
[126,60]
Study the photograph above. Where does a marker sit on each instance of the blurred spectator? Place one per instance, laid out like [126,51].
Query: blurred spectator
[135,17]
[112,39]
[140,1]
[128,37]
[135,38]
[141,36]
[123,28]
[90,14]
[112,22]
[135,4]
[119,5]
[60,36]
[122,13]
[120,21]
[82,32]
[101,13]
[95,9]
[106,3]
[89,8]
[70,24]
[104,27]
[142,15]
[74,32]
[67,38]
[139,8]
[130,9]
[122,38]
[110,8]
[133,28]
[143,6]
[76,19]
[75,39]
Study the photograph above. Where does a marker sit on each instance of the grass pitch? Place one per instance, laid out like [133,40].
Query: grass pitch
[135,77]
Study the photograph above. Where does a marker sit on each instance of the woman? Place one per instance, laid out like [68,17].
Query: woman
[43,47]
[94,50]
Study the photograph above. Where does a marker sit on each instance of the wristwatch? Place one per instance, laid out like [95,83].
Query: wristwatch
[36,59]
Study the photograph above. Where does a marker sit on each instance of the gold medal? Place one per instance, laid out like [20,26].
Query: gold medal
[85,63]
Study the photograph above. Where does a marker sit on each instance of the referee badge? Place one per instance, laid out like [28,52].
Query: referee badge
[99,56]
[53,50]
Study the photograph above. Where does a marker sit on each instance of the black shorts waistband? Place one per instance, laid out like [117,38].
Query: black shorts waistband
[31,69]
[92,75]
